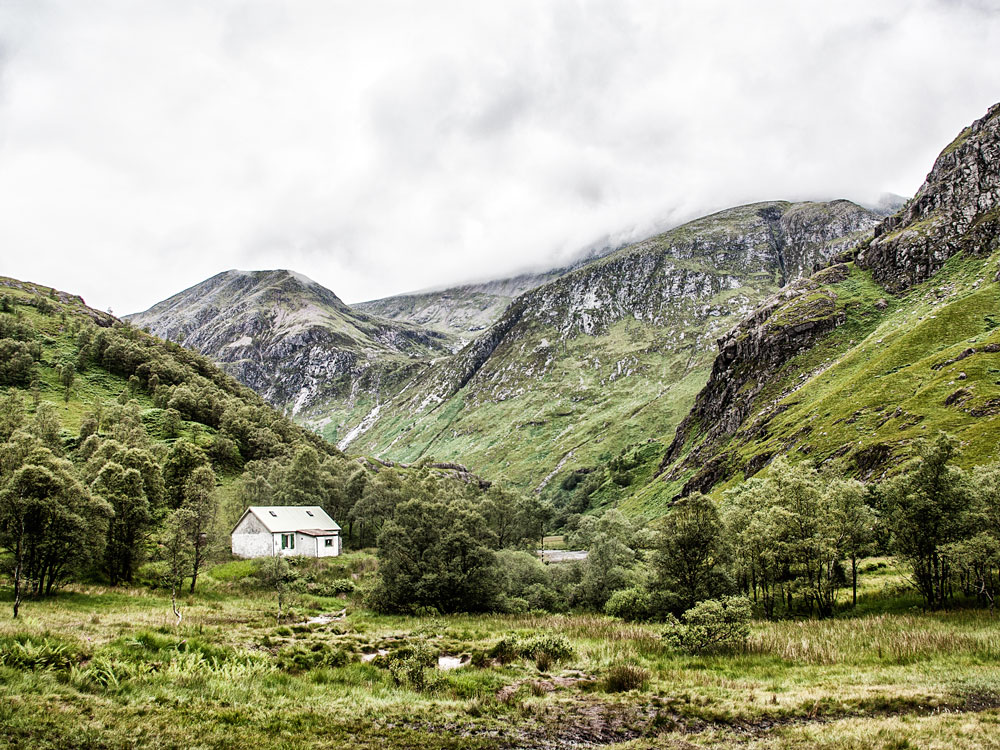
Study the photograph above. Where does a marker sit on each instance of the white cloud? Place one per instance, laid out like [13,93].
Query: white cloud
[385,146]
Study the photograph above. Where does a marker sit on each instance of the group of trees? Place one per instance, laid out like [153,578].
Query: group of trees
[791,540]
[138,481]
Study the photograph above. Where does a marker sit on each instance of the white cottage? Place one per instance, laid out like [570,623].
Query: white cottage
[267,531]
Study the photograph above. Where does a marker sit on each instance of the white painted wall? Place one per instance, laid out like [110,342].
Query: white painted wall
[251,539]
[323,551]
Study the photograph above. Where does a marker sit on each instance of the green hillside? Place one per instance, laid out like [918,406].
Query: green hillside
[600,359]
[899,341]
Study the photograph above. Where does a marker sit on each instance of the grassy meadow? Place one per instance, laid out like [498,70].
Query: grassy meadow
[96,667]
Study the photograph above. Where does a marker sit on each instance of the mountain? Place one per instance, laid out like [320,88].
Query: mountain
[896,340]
[461,312]
[289,338]
[605,356]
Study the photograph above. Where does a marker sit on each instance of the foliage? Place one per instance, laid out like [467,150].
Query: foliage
[434,553]
[692,554]
[927,507]
[632,605]
[714,625]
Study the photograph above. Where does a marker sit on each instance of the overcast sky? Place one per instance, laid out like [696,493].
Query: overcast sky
[381,147]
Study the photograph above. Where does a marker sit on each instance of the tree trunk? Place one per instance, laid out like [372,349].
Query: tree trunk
[18,555]
[854,581]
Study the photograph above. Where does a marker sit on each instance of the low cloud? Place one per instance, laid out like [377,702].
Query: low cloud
[388,146]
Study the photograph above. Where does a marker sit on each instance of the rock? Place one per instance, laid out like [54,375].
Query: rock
[956,210]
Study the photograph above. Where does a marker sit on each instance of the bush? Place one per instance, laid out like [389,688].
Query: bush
[153,575]
[632,605]
[545,650]
[414,667]
[625,676]
[711,626]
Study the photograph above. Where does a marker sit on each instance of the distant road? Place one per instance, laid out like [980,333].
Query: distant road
[562,555]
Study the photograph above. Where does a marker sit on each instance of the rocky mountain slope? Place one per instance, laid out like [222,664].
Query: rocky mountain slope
[604,356]
[290,339]
[890,343]
[461,313]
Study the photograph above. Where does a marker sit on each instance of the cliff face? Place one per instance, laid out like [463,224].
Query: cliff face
[956,210]
[290,339]
[836,366]
[579,367]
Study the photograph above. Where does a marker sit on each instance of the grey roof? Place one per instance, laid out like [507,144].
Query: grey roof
[285,518]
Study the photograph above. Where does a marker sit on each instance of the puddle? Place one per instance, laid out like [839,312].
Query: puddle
[446,663]
[562,555]
[327,618]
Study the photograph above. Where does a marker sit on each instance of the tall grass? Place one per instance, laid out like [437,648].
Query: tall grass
[893,639]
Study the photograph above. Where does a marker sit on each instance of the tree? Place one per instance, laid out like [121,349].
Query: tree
[378,502]
[853,523]
[692,555]
[929,505]
[278,575]
[201,504]
[17,363]
[132,520]
[516,521]
[436,553]
[183,459]
[67,374]
[175,542]
[751,526]
[46,426]
[11,414]
[608,567]
[48,521]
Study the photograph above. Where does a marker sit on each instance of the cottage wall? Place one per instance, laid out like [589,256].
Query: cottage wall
[251,539]
[305,545]
[323,551]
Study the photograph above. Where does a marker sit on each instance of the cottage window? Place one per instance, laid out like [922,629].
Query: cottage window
[309,513]
[273,513]
[329,542]
[288,541]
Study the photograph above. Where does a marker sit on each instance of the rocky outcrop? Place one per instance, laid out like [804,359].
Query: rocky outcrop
[749,357]
[956,210]
[289,338]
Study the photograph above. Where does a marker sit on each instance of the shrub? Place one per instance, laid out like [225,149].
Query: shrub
[555,647]
[711,626]
[632,605]
[414,667]
[506,650]
[545,650]
[153,575]
[625,676]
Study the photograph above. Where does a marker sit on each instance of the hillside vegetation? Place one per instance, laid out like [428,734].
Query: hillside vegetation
[604,357]
[899,340]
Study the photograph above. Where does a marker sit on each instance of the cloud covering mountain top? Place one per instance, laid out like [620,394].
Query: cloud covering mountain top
[387,146]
